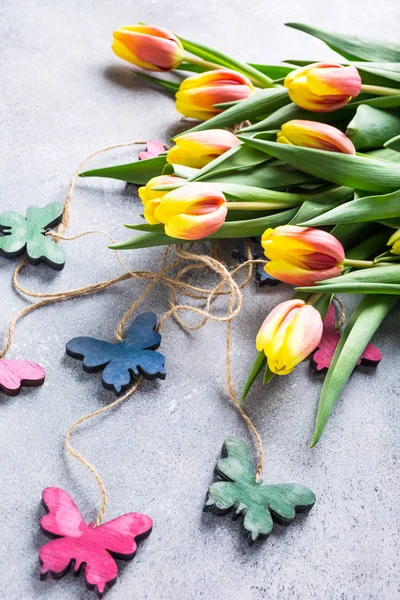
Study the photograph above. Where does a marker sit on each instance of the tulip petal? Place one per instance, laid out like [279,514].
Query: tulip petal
[195,227]
[293,274]
[334,80]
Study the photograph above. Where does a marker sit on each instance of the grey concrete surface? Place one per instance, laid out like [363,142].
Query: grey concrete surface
[64,94]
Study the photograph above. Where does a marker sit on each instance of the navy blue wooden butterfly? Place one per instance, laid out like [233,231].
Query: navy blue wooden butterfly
[124,361]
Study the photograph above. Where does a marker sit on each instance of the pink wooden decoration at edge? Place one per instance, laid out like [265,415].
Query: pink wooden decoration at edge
[153,149]
[330,339]
[86,545]
[16,373]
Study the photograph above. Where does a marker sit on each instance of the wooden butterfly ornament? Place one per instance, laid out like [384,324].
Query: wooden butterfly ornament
[28,234]
[322,357]
[87,546]
[125,360]
[260,505]
[16,373]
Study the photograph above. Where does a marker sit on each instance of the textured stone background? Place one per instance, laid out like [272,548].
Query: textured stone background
[64,94]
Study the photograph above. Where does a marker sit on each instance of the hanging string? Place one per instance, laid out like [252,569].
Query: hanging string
[227,286]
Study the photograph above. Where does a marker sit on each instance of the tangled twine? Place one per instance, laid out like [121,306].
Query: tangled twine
[227,286]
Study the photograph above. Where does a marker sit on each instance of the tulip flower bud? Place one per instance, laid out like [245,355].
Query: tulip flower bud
[151,198]
[394,241]
[198,94]
[302,255]
[199,148]
[292,330]
[192,211]
[315,135]
[151,48]
[322,87]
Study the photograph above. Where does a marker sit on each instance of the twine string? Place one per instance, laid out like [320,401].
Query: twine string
[226,286]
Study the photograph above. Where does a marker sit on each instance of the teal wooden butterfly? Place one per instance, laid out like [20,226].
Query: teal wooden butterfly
[28,234]
[260,505]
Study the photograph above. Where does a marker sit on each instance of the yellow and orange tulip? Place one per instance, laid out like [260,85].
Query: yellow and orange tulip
[199,148]
[315,135]
[198,94]
[152,48]
[394,241]
[323,87]
[302,255]
[193,211]
[151,198]
[292,330]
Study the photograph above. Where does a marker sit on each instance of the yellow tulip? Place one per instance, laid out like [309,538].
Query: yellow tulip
[292,330]
[199,148]
[152,48]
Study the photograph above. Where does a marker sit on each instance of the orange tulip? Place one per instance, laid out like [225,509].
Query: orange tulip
[315,135]
[302,255]
[198,94]
[199,148]
[292,330]
[148,47]
[193,211]
[323,87]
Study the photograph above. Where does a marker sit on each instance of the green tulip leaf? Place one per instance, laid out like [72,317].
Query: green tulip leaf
[290,112]
[138,172]
[211,55]
[264,176]
[371,128]
[370,208]
[239,157]
[344,169]
[274,72]
[258,365]
[393,143]
[168,86]
[318,204]
[259,104]
[353,47]
[377,102]
[233,229]
[358,332]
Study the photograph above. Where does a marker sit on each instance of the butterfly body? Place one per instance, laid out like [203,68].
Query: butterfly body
[86,546]
[259,505]
[17,373]
[125,360]
[20,234]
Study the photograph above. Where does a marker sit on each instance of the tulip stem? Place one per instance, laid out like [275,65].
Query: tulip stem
[195,60]
[258,79]
[364,264]
[378,90]
[257,205]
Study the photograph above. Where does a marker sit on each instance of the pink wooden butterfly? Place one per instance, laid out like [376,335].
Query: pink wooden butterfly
[81,544]
[16,373]
[153,149]
[330,339]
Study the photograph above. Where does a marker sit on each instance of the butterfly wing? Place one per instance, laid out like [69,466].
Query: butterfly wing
[118,373]
[95,353]
[142,332]
[39,247]
[15,373]
[14,227]
[322,357]
[237,463]
[119,535]
[45,217]
[285,500]
[63,517]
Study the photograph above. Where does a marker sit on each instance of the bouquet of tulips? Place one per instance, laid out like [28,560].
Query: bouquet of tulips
[305,155]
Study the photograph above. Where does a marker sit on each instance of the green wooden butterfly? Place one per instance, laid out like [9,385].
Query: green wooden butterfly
[259,504]
[20,234]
